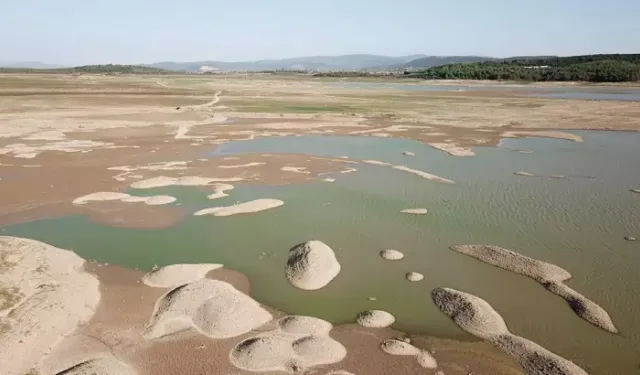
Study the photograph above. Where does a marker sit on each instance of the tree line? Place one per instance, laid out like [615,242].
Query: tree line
[589,68]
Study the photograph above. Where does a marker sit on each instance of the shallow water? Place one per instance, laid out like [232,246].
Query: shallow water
[577,223]
[590,93]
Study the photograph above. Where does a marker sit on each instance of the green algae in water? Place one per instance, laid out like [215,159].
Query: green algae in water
[577,223]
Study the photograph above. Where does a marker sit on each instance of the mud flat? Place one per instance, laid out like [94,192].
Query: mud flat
[477,317]
[45,294]
[311,265]
[549,275]
[241,208]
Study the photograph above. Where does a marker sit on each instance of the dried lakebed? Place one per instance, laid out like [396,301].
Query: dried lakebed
[577,223]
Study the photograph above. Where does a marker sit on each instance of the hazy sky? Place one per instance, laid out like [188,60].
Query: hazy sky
[134,31]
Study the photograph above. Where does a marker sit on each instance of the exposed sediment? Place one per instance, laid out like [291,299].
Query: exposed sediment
[547,274]
[155,200]
[163,181]
[311,265]
[414,276]
[375,319]
[297,350]
[416,172]
[177,274]
[478,318]
[415,211]
[213,307]
[390,254]
[45,294]
[256,205]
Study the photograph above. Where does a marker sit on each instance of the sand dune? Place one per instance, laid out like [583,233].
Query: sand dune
[294,351]
[241,208]
[311,265]
[215,308]
[44,295]
[154,200]
[177,274]
[478,318]
[375,319]
[547,274]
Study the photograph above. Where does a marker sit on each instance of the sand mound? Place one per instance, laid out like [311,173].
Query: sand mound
[177,274]
[375,319]
[549,275]
[414,276]
[311,265]
[402,347]
[415,211]
[630,238]
[390,254]
[100,366]
[426,360]
[524,174]
[637,191]
[329,180]
[279,350]
[304,325]
[219,191]
[213,307]
[408,153]
[122,197]
[163,181]
[478,318]
[398,347]
[241,208]
[44,295]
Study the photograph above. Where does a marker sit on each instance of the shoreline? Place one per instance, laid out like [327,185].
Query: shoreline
[115,334]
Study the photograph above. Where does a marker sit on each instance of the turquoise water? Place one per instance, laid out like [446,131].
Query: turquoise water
[577,223]
[590,93]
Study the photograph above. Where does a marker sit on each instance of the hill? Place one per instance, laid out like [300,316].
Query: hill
[431,61]
[591,68]
[321,63]
[94,69]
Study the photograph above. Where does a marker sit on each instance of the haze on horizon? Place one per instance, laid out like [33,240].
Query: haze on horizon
[73,32]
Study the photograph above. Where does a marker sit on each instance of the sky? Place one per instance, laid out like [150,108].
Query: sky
[76,32]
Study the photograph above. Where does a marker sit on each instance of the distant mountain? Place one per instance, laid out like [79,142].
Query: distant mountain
[323,63]
[91,69]
[431,61]
[29,65]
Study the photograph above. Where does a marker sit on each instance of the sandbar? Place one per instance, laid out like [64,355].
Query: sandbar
[241,208]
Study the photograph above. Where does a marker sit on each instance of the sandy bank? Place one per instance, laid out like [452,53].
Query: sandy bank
[215,308]
[543,134]
[154,200]
[478,318]
[45,294]
[163,181]
[311,265]
[177,274]
[452,149]
[416,172]
[219,191]
[242,208]
[547,274]
[415,211]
